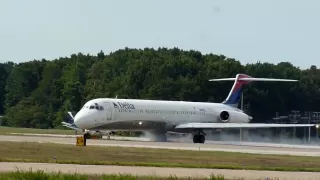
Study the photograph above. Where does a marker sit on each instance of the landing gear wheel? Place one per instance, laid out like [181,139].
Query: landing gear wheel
[198,139]
[195,138]
[202,139]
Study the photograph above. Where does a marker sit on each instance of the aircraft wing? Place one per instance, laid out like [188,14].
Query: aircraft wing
[237,125]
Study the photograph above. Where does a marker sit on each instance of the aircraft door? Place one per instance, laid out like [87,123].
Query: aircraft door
[109,111]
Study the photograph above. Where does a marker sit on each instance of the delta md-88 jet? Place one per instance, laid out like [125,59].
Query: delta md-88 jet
[159,116]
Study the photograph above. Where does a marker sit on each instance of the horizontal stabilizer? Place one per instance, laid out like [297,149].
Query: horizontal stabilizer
[71,126]
[240,80]
[70,123]
[237,125]
[253,79]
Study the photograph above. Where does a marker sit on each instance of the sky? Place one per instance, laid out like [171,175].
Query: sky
[248,30]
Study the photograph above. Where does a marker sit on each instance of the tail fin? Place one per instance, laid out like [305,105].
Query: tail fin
[235,93]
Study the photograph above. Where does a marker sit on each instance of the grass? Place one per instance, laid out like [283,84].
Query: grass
[8,130]
[125,156]
[32,175]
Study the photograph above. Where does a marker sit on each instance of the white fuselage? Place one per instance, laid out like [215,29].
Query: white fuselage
[137,114]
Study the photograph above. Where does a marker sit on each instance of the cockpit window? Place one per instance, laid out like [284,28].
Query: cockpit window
[95,106]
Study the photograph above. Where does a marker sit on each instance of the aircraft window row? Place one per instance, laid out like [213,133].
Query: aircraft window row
[162,111]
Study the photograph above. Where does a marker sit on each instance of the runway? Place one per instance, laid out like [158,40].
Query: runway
[188,140]
[243,148]
[179,172]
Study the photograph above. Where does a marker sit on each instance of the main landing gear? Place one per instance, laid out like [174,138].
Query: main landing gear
[199,137]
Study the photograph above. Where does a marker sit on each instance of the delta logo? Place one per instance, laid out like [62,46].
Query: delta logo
[123,105]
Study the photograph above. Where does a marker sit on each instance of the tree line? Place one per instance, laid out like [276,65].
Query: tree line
[38,93]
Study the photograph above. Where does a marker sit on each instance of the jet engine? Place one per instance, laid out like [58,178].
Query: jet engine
[233,117]
[224,116]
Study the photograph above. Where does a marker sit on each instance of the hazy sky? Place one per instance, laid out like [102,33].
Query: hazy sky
[248,30]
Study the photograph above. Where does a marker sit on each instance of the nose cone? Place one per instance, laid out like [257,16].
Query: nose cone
[80,120]
[86,119]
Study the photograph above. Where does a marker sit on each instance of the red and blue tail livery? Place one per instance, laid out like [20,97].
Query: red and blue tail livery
[240,80]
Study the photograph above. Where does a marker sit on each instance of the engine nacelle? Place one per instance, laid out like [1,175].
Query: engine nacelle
[224,116]
[233,117]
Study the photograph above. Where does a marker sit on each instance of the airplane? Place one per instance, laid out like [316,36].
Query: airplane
[161,116]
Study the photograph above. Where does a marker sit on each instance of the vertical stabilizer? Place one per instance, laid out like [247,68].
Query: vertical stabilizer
[235,93]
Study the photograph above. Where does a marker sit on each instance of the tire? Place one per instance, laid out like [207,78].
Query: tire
[201,139]
[198,139]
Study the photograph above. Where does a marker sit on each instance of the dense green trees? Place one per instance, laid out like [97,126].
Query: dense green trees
[38,93]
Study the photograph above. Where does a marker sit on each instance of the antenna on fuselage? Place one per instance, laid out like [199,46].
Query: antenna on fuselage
[116,96]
